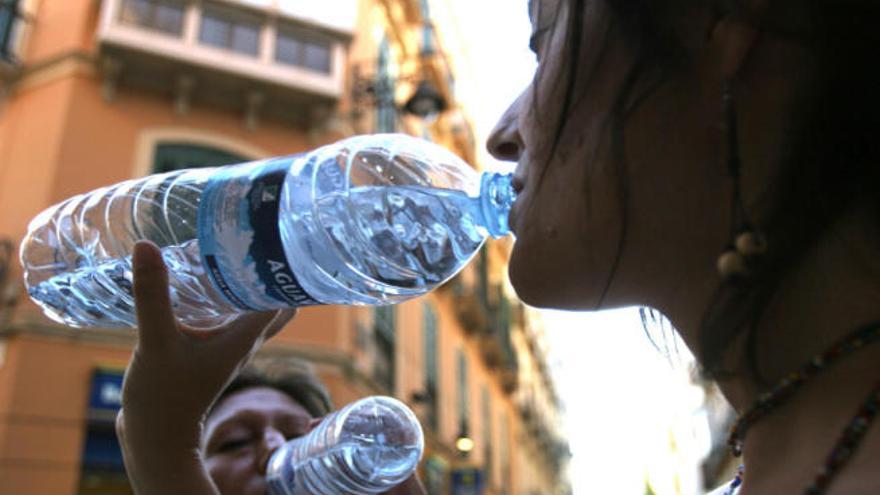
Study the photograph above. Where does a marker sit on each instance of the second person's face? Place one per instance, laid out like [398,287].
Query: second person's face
[243,431]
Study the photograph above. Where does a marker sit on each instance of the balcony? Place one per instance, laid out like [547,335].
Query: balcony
[486,314]
[551,446]
[267,55]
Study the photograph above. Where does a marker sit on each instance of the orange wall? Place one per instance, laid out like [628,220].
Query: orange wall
[319,326]
[64,25]
[30,149]
[41,437]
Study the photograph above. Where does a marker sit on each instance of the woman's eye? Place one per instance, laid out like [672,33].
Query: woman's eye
[233,444]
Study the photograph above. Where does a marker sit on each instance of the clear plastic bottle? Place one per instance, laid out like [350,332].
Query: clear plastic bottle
[365,448]
[369,220]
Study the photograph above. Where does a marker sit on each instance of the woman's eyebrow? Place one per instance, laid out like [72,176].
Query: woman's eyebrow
[294,422]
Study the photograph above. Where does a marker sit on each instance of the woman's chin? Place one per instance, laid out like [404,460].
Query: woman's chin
[540,289]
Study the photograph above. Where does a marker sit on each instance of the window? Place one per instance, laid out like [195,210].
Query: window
[9,14]
[230,31]
[483,276]
[160,15]
[463,402]
[430,360]
[176,156]
[506,473]
[101,468]
[386,108]
[384,329]
[427,29]
[487,432]
[301,51]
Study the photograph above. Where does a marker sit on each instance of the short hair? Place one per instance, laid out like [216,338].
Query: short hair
[292,376]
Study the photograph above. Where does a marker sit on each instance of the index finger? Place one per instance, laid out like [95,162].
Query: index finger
[155,316]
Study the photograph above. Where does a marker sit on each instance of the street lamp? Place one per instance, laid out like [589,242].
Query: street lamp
[425,103]
[464,444]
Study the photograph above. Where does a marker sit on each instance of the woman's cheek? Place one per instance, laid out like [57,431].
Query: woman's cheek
[543,265]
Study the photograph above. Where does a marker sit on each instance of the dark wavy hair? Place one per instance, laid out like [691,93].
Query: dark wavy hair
[291,376]
[834,162]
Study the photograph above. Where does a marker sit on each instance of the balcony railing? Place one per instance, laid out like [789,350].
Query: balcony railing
[488,318]
[289,50]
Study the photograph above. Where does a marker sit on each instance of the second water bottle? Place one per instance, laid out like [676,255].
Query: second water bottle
[365,448]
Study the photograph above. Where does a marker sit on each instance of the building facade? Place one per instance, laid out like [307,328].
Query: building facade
[97,92]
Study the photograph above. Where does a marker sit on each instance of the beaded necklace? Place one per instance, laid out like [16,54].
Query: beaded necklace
[854,431]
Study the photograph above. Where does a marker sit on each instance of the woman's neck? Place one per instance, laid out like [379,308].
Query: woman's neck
[836,291]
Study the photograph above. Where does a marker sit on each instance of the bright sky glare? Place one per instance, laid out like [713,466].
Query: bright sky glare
[627,403]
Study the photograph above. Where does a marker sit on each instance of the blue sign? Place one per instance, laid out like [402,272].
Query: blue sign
[101,452]
[105,397]
[467,481]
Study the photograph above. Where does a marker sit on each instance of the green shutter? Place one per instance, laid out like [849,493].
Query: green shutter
[384,329]
[487,432]
[177,156]
[8,16]
[463,405]
[429,317]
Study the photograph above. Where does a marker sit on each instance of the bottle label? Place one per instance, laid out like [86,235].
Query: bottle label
[239,237]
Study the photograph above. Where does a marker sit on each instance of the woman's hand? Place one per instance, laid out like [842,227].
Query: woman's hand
[174,376]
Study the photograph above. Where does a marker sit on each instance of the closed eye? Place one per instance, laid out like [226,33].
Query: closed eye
[233,444]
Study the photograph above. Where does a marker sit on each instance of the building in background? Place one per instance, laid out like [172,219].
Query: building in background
[96,92]
[720,466]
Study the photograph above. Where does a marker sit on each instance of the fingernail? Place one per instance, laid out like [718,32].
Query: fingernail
[144,253]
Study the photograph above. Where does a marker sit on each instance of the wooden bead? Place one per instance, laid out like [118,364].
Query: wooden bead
[731,263]
[750,244]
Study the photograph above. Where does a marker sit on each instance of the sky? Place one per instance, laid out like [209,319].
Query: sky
[626,401]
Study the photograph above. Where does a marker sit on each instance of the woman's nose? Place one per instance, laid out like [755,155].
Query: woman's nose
[272,441]
[505,142]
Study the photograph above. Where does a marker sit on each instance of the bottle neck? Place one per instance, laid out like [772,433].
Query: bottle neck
[496,198]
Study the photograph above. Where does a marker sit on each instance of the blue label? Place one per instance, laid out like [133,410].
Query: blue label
[239,238]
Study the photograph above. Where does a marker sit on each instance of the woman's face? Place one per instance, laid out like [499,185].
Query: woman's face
[243,431]
[601,225]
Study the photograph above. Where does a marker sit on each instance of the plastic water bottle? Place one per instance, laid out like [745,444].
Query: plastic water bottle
[367,447]
[370,220]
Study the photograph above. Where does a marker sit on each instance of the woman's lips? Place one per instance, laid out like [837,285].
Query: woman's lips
[518,184]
